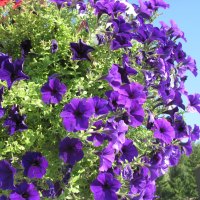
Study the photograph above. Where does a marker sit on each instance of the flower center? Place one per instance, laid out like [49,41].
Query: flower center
[25,195]
[36,163]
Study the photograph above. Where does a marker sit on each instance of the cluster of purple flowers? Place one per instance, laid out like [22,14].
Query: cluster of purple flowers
[108,120]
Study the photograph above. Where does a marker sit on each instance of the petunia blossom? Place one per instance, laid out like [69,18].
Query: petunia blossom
[80,50]
[34,164]
[7,173]
[70,150]
[76,114]
[25,191]
[53,91]
[105,186]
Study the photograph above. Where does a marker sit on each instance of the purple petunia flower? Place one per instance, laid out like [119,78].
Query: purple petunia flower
[34,164]
[70,150]
[194,104]
[54,46]
[163,130]
[128,151]
[136,114]
[15,121]
[25,191]
[53,91]
[100,105]
[11,72]
[7,173]
[114,77]
[121,40]
[76,114]
[130,92]
[105,187]
[107,157]
[113,98]
[80,50]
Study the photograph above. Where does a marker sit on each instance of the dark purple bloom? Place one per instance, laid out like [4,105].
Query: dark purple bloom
[116,131]
[7,173]
[121,40]
[70,150]
[54,46]
[194,104]
[100,106]
[174,154]
[107,157]
[53,91]
[113,97]
[127,173]
[136,114]
[190,64]
[25,191]
[195,133]
[80,50]
[76,114]
[114,77]
[118,7]
[34,164]
[180,127]
[130,92]
[121,26]
[25,47]
[12,72]
[163,130]
[186,147]
[15,121]
[128,151]
[54,190]
[105,187]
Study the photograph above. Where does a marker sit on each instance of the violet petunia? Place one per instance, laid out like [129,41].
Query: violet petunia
[53,91]
[12,72]
[7,173]
[25,191]
[128,151]
[194,103]
[105,186]
[163,130]
[80,50]
[136,114]
[107,157]
[34,164]
[76,114]
[127,173]
[131,92]
[70,150]
[121,40]
[3,197]
[100,106]
[15,121]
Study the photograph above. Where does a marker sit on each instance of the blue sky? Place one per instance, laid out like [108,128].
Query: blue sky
[187,16]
